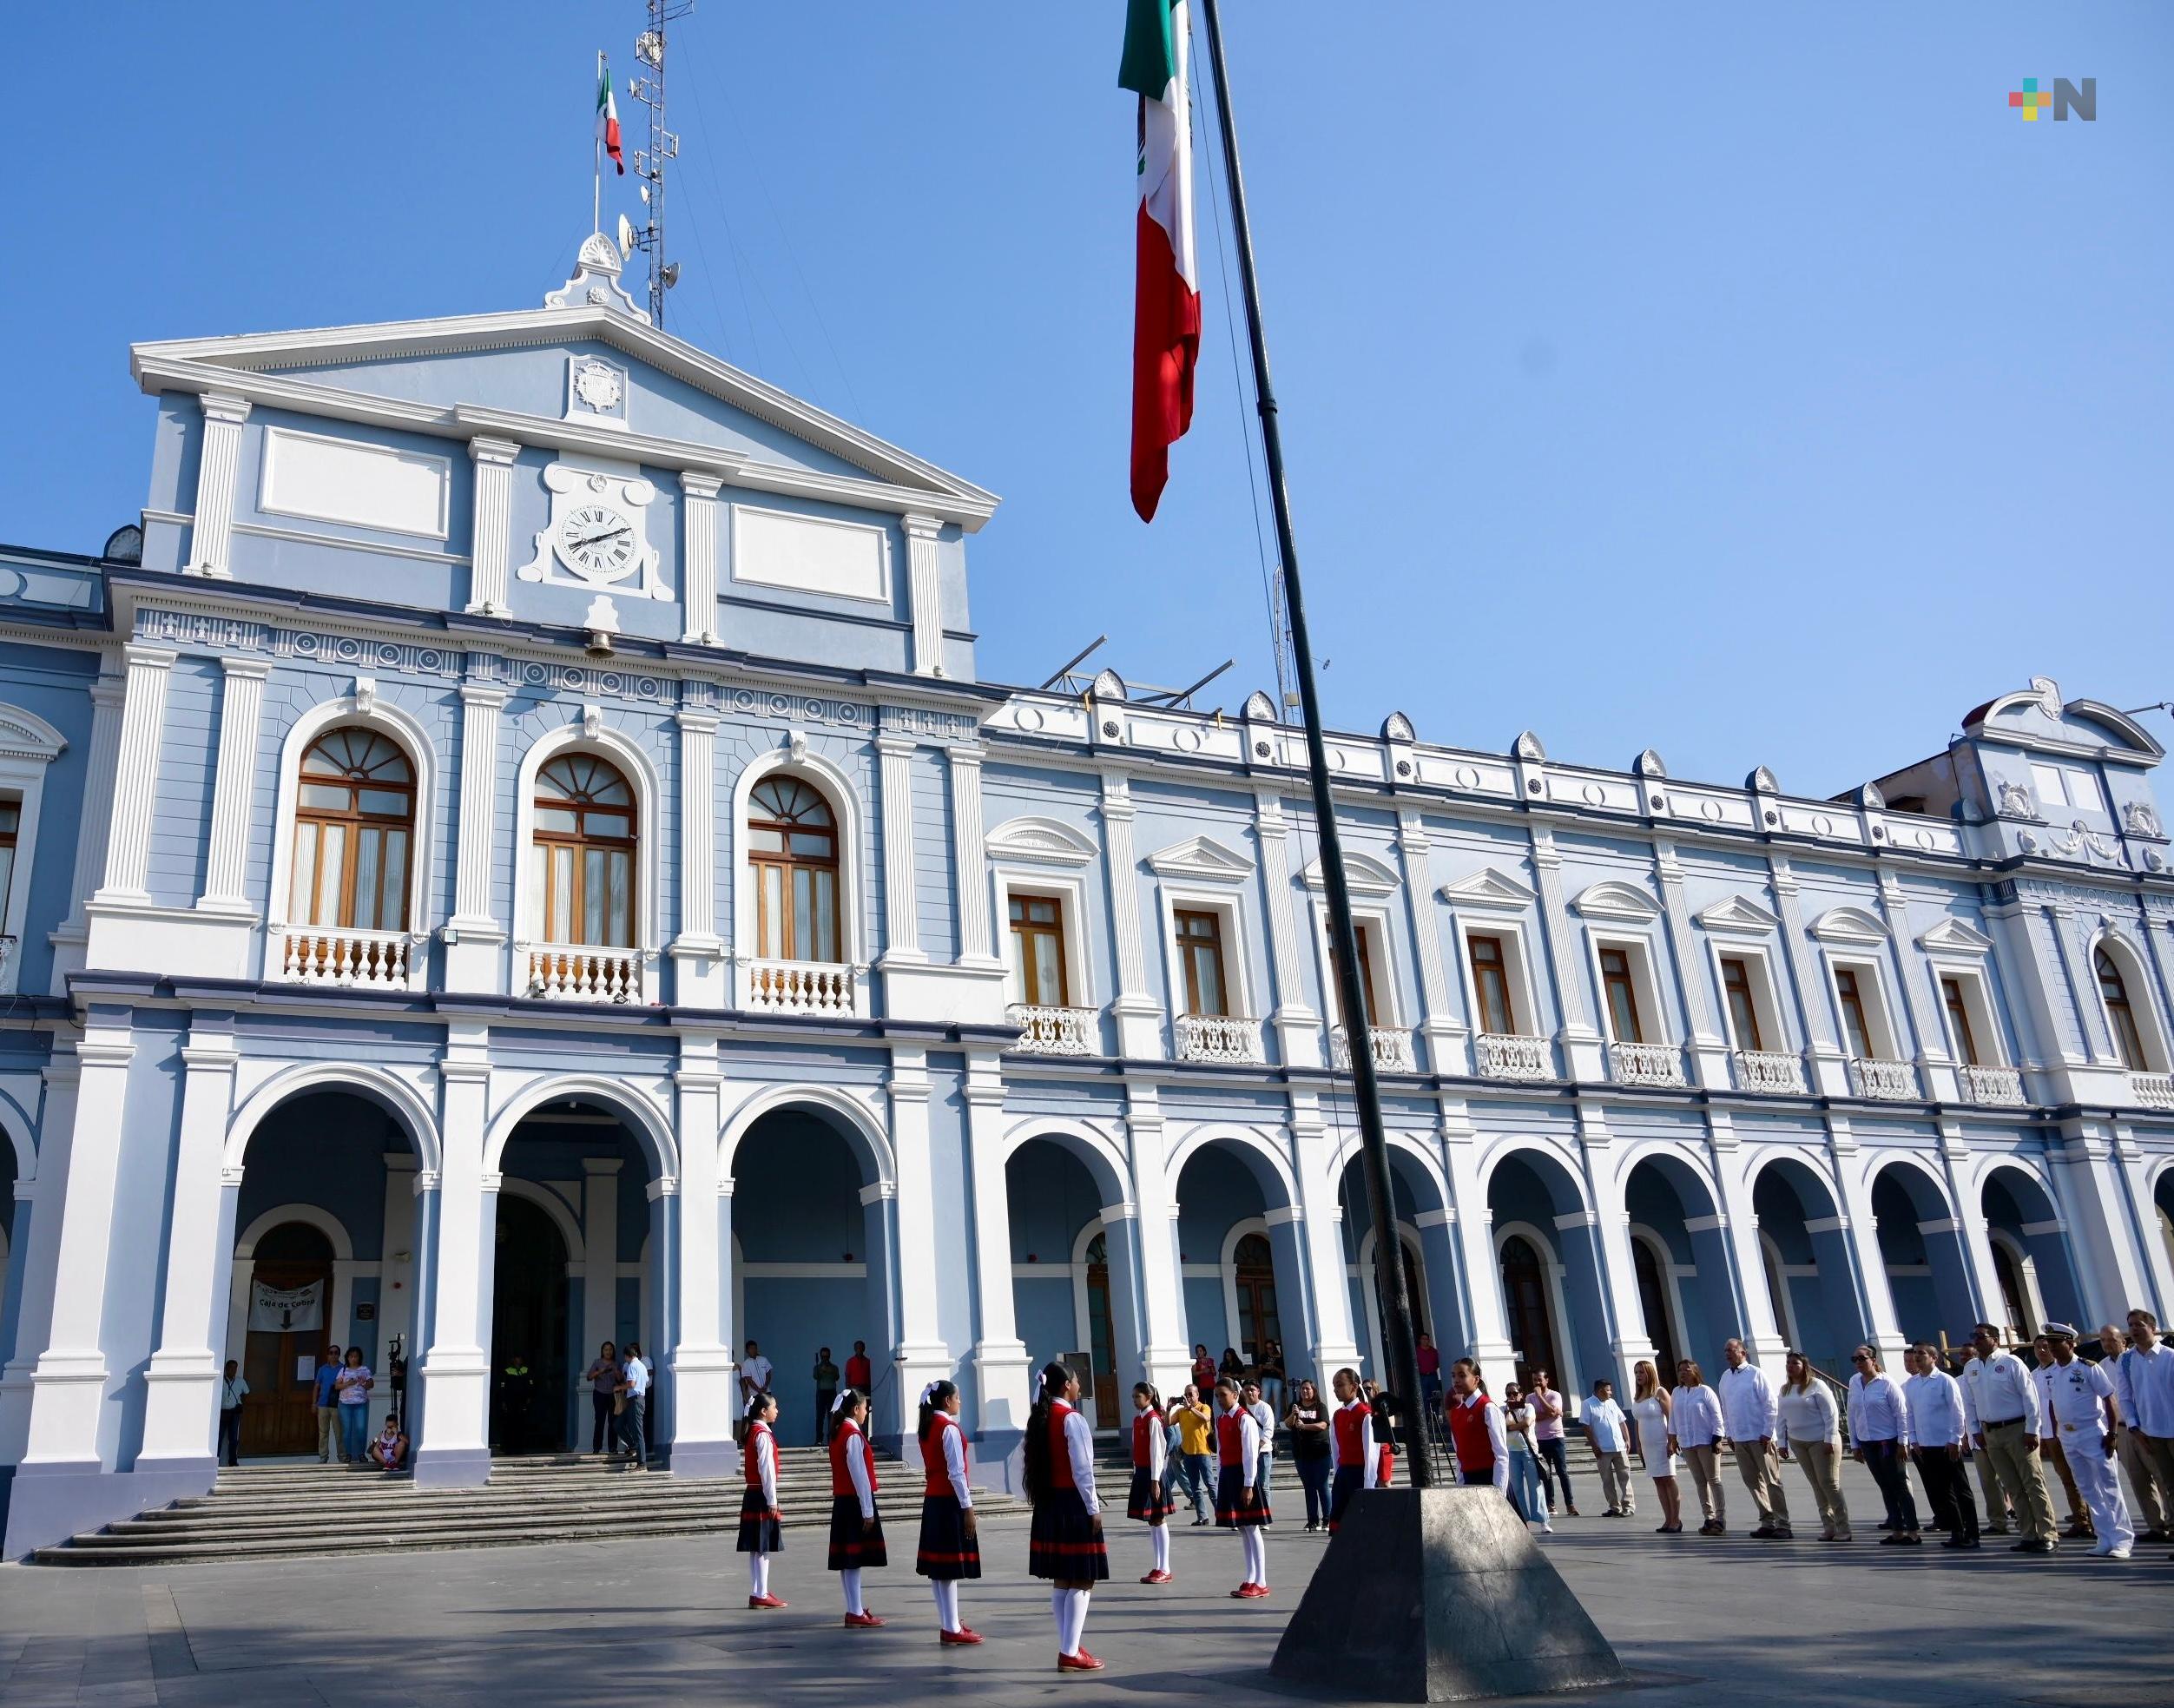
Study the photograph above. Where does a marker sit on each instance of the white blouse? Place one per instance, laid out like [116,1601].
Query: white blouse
[1810,1416]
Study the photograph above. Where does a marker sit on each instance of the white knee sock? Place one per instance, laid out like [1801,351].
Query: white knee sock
[758,1574]
[1251,1537]
[939,1589]
[1161,1534]
[1075,1620]
[851,1579]
[1261,1557]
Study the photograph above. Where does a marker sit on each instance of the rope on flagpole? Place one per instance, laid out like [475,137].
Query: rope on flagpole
[596,161]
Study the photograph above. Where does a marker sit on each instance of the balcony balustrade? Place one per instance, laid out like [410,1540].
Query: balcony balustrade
[801,987]
[2153,1090]
[2000,1086]
[347,958]
[1647,1063]
[1511,1055]
[1218,1037]
[1889,1082]
[1045,1030]
[1776,1070]
[1392,1048]
[584,972]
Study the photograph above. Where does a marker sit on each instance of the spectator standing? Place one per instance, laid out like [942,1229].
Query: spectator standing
[2148,1368]
[1525,1490]
[604,1392]
[1608,1429]
[353,1385]
[1194,1421]
[232,1391]
[326,1403]
[1695,1431]
[1311,1452]
[1256,1408]
[1808,1429]
[826,1391]
[1430,1361]
[1880,1427]
[1203,1367]
[1748,1419]
[2051,1448]
[1937,1431]
[1547,1438]
[1649,1410]
[634,1384]
[1272,1375]
[2086,1412]
[755,1372]
[1232,1369]
[860,1375]
[2000,1405]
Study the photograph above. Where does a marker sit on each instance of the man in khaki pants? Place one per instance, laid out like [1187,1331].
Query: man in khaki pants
[2000,1405]
[1747,1414]
[326,1404]
[2147,1377]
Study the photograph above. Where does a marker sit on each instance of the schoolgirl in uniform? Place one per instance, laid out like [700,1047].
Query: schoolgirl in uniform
[949,1549]
[1351,1426]
[1065,1544]
[856,1531]
[1150,1499]
[761,1525]
[1384,1418]
[1242,1498]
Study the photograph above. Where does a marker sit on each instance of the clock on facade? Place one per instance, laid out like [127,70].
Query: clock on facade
[595,541]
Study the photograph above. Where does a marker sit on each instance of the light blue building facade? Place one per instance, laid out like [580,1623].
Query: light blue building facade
[522,856]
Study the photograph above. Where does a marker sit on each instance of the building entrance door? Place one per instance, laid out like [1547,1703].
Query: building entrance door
[1101,1341]
[1525,1298]
[279,1364]
[529,1369]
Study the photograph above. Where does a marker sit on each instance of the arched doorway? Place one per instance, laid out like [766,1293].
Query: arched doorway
[1430,1267]
[1653,1301]
[530,1311]
[2019,1321]
[1102,1340]
[1524,1290]
[290,1296]
[1810,1271]
[1061,1287]
[1253,1267]
[1238,1252]
[1921,1245]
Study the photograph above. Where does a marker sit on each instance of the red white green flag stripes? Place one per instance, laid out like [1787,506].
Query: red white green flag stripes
[1166,307]
[608,116]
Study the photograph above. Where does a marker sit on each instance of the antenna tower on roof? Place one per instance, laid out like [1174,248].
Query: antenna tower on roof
[663,148]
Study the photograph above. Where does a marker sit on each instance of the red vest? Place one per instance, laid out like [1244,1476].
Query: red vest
[939,1481]
[1060,1450]
[755,1432]
[1143,1426]
[1230,1441]
[840,1479]
[1468,1430]
[1348,1423]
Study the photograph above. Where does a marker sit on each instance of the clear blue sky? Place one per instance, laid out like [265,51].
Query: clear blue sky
[1744,380]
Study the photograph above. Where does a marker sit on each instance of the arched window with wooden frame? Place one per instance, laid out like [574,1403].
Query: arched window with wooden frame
[582,879]
[792,853]
[354,832]
[1254,1264]
[2121,1014]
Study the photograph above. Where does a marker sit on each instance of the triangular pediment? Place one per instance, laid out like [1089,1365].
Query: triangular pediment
[1488,887]
[1202,857]
[1044,842]
[1957,937]
[1738,914]
[1848,925]
[1365,874]
[1610,900]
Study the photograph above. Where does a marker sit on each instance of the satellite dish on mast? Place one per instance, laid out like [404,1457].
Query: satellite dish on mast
[626,236]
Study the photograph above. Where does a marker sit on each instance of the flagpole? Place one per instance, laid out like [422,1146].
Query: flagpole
[1373,1149]
[597,161]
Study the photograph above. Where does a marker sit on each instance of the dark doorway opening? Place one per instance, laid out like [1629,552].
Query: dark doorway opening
[529,1377]
[280,1416]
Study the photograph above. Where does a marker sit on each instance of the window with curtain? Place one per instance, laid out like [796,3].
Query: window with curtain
[1623,996]
[1855,1018]
[581,870]
[11,824]
[1951,995]
[1201,950]
[1037,950]
[1491,979]
[2121,1015]
[354,833]
[792,852]
[1743,1011]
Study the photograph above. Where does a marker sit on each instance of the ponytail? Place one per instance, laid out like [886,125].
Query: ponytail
[933,1399]
[1155,1400]
[1034,1468]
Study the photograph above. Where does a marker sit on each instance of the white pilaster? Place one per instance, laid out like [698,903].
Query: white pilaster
[1473,1230]
[1320,1235]
[925,588]
[1438,1026]
[1926,1046]
[970,860]
[704,1387]
[455,1449]
[211,535]
[1709,1050]
[234,784]
[901,917]
[1860,1227]
[108,695]
[1297,1027]
[135,781]
[698,953]
[475,938]
[1138,1014]
[922,1355]
[1604,1181]
[1738,1225]
[491,539]
[1001,1370]
[1168,1354]
[1829,1074]
[698,555]
[2087,1180]
[1582,1051]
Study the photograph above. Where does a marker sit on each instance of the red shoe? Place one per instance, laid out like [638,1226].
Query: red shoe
[1255,1591]
[1082,1662]
[964,1634]
[1244,1592]
[764,1601]
[863,1621]
[1157,1576]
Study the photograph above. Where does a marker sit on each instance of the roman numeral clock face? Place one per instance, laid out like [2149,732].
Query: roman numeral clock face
[596,542]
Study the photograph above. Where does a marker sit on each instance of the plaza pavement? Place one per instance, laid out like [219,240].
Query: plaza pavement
[1700,1624]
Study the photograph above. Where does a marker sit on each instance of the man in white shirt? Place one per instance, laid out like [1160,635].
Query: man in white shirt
[634,1383]
[2000,1404]
[1608,1431]
[754,1375]
[1747,1417]
[2128,1447]
[2147,1411]
[1937,1428]
[1257,1409]
[1879,1436]
[2050,1447]
[232,1389]
[2085,1413]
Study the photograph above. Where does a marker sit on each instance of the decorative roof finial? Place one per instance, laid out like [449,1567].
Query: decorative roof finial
[596,281]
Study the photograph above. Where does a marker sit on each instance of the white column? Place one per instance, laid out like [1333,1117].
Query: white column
[698,953]
[135,783]
[1320,1235]
[1737,1223]
[970,861]
[1860,1227]
[1297,1027]
[921,1355]
[474,936]
[600,1250]
[397,1270]
[1001,1372]
[1935,1069]
[1709,1050]
[2134,1172]
[68,1386]
[901,922]
[1438,1026]
[698,555]
[704,1387]
[41,1266]
[925,588]
[456,1372]
[1582,1051]
[1139,1015]
[1619,1269]
[234,784]
[107,696]
[180,1402]
[1473,1230]
[1167,1353]
[491,538]
[1829,1076]
[2087,1180]
[221,457]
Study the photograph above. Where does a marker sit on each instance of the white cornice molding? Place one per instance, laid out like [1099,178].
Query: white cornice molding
[1738,916]
[1364,874]
[1044,841]
[1956,937]
[1490,889]
[1613,899]
[1848,925]
[1202,857]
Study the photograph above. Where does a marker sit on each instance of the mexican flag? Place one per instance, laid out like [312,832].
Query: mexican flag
[1166,305]
[608,116]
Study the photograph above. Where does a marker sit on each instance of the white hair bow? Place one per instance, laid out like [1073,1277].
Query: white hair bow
[928,1394]
[839,1404]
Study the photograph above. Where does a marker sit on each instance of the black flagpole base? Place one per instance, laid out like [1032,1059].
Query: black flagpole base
[1439,1595]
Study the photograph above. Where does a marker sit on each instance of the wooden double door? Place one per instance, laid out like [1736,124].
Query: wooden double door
[280,1416]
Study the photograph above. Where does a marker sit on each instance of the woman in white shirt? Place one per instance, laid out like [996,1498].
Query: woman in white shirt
[1525,1490]
[1649,1410]
[1810,1432]
[1694,1423]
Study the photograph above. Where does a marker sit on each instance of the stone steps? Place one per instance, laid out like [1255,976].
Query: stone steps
[275,1511]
